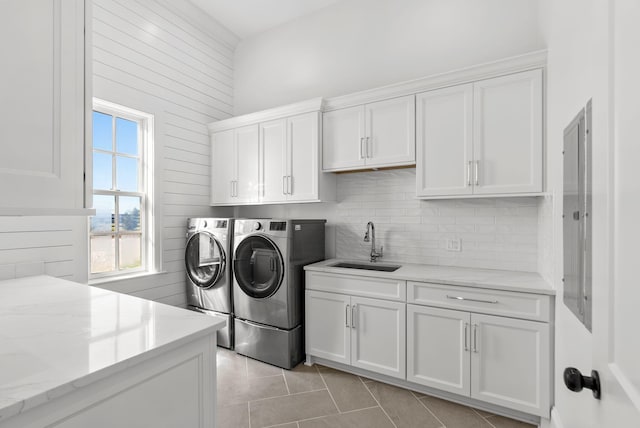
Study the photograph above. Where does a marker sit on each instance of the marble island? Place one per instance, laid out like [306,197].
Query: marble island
[72,355]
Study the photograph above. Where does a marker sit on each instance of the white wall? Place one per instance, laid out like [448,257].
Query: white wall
[163,58]
[360,44]
[496,233]
[576,72]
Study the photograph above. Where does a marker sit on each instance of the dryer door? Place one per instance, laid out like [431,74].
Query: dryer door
[258,266]
[205,259]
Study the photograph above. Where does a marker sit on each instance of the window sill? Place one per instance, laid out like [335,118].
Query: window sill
[125,277]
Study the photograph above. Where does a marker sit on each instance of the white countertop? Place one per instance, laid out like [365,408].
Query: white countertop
[57,336]
[524,282]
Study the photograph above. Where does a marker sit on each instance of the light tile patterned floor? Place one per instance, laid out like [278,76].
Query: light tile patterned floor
[256,395]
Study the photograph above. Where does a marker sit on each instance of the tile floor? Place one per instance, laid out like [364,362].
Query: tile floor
[256,395]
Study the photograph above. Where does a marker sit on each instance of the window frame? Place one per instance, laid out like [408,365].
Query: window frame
[145,192]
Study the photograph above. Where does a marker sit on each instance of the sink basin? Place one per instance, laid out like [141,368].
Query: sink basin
[367,266]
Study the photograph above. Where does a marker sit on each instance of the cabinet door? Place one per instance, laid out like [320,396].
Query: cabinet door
[42,108]
[444,131]
[273,171]
[510,363]
[438,348]
[390,137]
[378,336]
[302,157]
[223,167]
[328,326]
[343,139]
[246,139]
[508,134]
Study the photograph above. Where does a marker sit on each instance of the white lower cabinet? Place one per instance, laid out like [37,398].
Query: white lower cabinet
[362,332]
[498,360]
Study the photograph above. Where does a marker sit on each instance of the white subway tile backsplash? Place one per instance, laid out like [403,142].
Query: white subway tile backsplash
[496,233]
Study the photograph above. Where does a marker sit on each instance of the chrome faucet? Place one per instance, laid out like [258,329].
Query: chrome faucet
[375,255]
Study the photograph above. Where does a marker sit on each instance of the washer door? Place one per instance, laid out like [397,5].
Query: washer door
[205,259]
[258,266]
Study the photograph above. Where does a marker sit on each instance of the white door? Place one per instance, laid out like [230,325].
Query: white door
[273,171]
[343,138]
[390,136]
[616,294]
[438,348]
[223,167]
[378,336]
[302,157]
[444,144]
[510,363]
[42,101]
[248,180]
[328,326]
[508,134]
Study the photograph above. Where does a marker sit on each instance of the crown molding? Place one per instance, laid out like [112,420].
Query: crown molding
[528,61]
[314,104]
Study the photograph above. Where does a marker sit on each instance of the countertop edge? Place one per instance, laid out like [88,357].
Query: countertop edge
[544,288]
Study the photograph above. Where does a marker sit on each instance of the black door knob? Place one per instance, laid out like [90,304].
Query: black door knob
[574,380]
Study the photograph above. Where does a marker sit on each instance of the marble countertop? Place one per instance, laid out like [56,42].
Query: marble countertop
[524,282]
[57,336]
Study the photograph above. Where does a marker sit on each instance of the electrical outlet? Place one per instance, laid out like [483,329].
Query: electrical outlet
[454,244]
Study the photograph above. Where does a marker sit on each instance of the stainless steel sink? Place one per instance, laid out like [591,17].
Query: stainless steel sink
[366,266]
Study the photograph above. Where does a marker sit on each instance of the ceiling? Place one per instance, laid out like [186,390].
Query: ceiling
[248,17]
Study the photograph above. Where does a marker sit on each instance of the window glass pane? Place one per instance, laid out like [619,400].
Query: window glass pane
[126,136]
[102,171]
[130,251]
[102,131]
[126,174]
[103,253]
[129,208]
[104,220]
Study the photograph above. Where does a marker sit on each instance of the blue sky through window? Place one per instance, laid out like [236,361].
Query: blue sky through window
[126,136]
[102,129]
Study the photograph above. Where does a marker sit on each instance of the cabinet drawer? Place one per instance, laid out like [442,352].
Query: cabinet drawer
[506,303]
[387,289]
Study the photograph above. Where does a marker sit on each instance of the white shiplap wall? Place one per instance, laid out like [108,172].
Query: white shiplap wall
[162,57]
[149,55]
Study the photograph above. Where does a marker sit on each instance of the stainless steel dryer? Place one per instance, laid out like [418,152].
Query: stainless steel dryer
[208,265]
[268,286]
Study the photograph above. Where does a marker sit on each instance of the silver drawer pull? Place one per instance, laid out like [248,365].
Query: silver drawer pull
[471,300]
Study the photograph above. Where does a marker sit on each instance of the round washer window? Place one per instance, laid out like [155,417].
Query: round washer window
[204,259]
[258,266]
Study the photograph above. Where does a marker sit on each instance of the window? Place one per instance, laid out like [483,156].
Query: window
[120,232]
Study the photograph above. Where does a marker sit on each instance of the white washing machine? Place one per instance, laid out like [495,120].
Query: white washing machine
[208,264]
[268,286]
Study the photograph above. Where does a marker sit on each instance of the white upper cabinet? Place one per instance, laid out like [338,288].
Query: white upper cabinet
[42,108]
[269,161]
[508,134]
[483,138]
[375,135]
[444,141]
[234,166]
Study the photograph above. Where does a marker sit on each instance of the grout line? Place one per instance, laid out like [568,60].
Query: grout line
[334,414]
[484,418]
[286,395]
[286,383]
[249,413]
[376,400]
[329,391]
[429,410]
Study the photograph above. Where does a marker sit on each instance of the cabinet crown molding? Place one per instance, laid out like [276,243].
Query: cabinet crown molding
[524,62]
[302,107]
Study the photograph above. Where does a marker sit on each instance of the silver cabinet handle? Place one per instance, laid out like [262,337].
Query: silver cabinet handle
[466,331]
[290,183]
[231,188]
[475,338]
[353,313]
[469,173]
[235,188]
[284,184]
[369,146]
[477,173]
[346,316]
[471,300]
[362,156]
